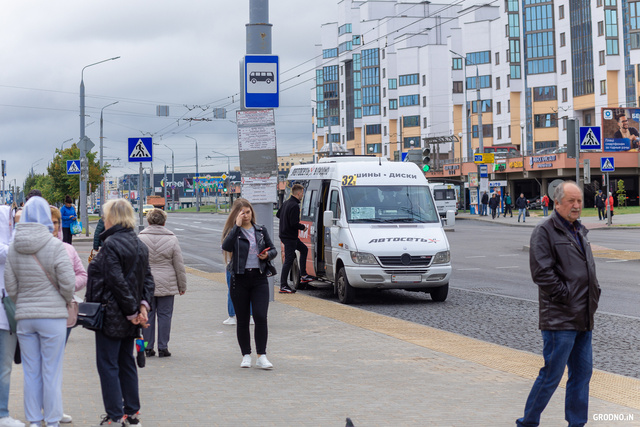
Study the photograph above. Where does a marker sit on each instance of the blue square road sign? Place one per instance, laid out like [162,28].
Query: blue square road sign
[73,167]
[140,149]
[590,138]
[607,164]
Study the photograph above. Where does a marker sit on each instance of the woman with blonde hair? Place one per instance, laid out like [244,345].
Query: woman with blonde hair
[120,279]
[169,275]
[251,248]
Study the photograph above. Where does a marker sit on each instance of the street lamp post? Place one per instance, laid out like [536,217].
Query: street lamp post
[173,179]
[197,176]
[523,144]
[228,174]
[84,170]
[102,198]
[64,142]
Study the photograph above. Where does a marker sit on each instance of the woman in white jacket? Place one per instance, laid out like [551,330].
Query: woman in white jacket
[39,278]
[167,268]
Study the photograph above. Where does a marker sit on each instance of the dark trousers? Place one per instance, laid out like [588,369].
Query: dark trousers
[251,291]
[118,375]
[290,247]
[162,308]
[601,213]
[494,211]
[66,235]
[507,209]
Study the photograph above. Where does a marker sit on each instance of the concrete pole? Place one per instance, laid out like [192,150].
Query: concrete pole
[259,43]
[479,107]
[164,189]
[102,196]
[140,216]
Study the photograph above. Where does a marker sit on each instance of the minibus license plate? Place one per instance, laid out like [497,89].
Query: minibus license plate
[405,279]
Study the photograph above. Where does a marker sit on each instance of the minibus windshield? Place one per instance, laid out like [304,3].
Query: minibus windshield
[389,204]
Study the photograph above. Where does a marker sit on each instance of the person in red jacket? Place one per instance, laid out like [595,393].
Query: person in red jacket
[610,204]
[545,205]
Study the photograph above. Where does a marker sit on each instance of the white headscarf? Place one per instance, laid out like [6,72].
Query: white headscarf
[37,210]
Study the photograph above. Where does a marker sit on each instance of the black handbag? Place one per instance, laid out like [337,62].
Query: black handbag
[270,270]
[90,315]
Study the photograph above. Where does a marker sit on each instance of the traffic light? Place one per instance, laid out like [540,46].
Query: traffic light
[426,159]
[226,186]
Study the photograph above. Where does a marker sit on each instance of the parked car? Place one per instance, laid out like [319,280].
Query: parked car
[146,209]
[534,203]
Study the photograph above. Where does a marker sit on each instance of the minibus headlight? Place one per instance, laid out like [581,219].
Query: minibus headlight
[363,258]
[441,258]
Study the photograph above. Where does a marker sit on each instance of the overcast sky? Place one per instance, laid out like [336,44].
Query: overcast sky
[176,53]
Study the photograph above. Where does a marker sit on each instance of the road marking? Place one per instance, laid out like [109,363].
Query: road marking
[476,256]
[509,255]
[510,266]
[179,229]
[618,260]
[467,269]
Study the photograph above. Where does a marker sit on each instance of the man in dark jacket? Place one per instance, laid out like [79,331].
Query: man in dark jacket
[507,205]
[562,266]
[521,205]
[289,215]
[485,202]
[600,201]
[494,202]
[97,242]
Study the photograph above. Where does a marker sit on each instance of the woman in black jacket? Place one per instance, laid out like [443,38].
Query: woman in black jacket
[251,248]
[120,278]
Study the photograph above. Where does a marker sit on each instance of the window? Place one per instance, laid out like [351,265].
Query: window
[508,105]
[498,108]
[497,58]
[370,58]
[487,131]
[384,92]
[459,88]
[393,104]
[330,53]
[634,15]
[601,57]
[372,129]
[345,46]
[424,80]
[563,40]
[344,29]
[564,94]
[408,100]
[587,119]
[411,142]
[410,121]
[545,93]
[508,131]
[497,82]
[561,11]
[603,87]
[456,64]
[384,114]
[545,120]
[334,204]
[356,40]
[393,83]
[486,106]
[611,28]
[408,79]
[424,101]
[385,128]
[499,132]
[563,66]
[600,28]
[476,58]
[485,82]
[424,122]
[374,148]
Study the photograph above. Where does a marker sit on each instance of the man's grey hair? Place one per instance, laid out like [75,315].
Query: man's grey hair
[558,194]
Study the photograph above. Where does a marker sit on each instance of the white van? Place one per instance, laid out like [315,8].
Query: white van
[371,224]
[445,196]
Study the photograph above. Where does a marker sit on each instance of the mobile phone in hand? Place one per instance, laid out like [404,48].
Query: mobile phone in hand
[264,251]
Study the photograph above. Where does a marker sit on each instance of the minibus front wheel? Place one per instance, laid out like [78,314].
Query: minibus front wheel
[346,292]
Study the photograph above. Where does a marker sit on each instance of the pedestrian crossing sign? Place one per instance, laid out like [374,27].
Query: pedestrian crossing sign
[73,167]
[140,149]
[607,164]
[590,138]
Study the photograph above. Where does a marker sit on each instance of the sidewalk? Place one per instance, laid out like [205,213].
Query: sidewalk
[536,216]
[332,361]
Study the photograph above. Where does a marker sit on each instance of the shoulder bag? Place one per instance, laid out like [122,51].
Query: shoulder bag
[72,307]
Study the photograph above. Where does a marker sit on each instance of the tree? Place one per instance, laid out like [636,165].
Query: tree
[41,182]
[64,184]
[621,194]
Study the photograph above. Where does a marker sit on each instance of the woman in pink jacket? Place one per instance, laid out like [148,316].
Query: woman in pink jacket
[78,268]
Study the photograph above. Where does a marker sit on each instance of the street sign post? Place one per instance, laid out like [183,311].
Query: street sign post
[590,138]
[261,81]
[607,164]
[484,158]
[73,167]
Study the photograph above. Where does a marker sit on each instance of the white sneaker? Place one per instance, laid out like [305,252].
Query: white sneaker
[251,322]
[230,321]
[246,361]
[66,419]
[263,362]
[10,422]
